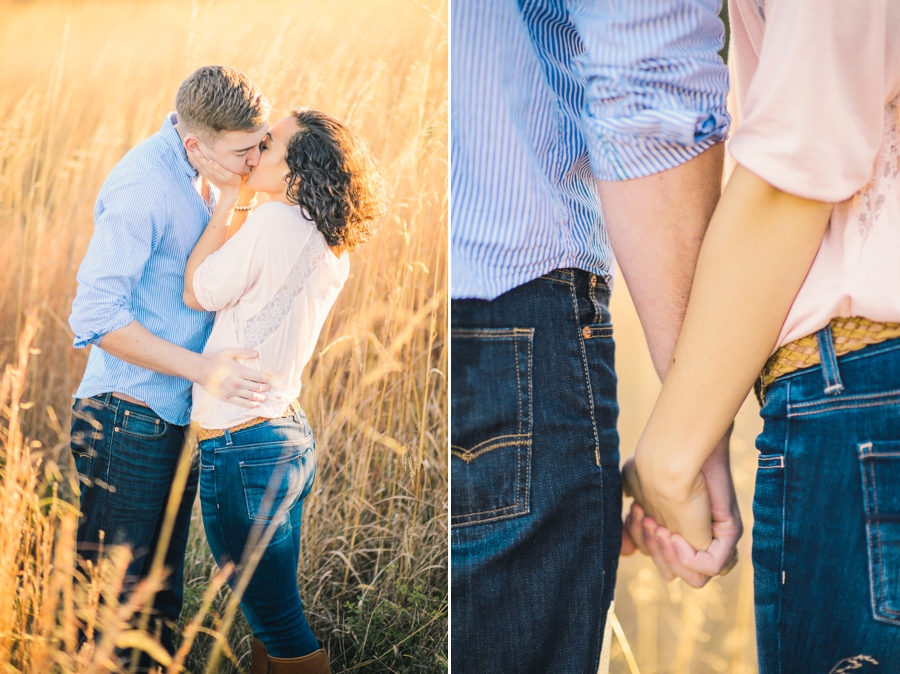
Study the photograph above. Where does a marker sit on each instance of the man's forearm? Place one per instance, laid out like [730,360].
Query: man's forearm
[137,345]
[656,225]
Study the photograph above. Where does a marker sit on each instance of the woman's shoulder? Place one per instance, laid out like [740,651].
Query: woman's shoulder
[279,211]
[279,220]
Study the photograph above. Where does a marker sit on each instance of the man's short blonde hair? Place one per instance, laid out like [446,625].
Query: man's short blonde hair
[217,99]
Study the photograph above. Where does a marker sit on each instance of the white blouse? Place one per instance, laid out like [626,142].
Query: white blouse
[271,285]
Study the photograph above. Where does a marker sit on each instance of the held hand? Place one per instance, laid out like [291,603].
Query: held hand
[727,528]
[682,505]
[672,554]
[228,380]
[228,183]
[641,532]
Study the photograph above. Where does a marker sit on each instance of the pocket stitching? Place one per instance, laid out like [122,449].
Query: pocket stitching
[521,506]
[255,464]
[843,403]
[873,531]
[469,455]
[162,424]
[771,462]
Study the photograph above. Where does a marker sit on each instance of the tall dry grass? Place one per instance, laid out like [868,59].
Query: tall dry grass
[82,82]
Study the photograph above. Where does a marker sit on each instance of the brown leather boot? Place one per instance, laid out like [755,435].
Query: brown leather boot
[259,658]
[314,663]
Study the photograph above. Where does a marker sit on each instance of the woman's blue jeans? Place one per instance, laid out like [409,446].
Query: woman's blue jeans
[536,494]
[252,486]
[826,533]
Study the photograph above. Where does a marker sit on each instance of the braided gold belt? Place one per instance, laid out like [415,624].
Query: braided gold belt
[848,334]
[209,433]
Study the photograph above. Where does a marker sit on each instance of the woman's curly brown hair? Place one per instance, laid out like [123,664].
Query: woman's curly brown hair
[333,176]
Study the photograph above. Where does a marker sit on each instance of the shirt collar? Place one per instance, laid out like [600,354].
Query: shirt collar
[173,140]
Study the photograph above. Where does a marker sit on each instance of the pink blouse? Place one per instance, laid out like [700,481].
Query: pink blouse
[817,86]
[272,286]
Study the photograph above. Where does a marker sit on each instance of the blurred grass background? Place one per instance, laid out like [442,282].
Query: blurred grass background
[83,81]
[671,627]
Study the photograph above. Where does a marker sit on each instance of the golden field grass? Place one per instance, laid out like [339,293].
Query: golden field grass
[669,627]
[82,82]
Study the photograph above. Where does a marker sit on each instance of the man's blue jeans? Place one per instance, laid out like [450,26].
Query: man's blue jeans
[252,486]
[826,533]
[535,486]
[126,458]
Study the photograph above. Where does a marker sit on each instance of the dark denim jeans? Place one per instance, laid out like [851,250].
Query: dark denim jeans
[252,486]
[535,486]
[826,533]
[126,458]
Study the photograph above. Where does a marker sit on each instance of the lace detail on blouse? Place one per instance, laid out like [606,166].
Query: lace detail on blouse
[870,199]
[258,328]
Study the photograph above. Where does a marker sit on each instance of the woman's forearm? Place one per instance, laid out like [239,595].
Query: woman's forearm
[246,198]
[215,234]
[757,251]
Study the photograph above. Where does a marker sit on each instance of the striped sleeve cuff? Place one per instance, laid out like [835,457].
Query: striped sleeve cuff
[90,332]
[651,142]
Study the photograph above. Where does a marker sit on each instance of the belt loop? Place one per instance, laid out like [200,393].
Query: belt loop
[105,398]
[227,437]
[833,384]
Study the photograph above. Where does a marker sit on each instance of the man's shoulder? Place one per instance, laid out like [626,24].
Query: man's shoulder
[147,169]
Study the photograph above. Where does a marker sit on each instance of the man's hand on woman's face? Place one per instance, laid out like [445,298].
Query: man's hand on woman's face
[227,182]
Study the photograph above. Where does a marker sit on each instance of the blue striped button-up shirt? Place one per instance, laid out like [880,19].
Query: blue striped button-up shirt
[550,95]
[148,216]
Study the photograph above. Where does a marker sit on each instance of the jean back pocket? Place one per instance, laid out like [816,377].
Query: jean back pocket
[272,486]
[492,424]
[880,464]
[83,436]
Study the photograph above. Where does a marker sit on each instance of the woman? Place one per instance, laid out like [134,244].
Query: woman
[272,285]
[799,278]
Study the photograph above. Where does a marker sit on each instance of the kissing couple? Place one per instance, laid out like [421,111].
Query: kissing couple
[220,245]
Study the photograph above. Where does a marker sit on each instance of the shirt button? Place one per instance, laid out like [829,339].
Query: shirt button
[586,332]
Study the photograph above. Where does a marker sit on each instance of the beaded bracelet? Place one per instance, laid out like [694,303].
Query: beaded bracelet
[248,207]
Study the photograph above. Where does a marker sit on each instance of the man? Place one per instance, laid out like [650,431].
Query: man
[578,128]
[132,407]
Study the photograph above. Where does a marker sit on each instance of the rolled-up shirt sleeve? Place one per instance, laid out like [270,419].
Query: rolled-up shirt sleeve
[129,213]
[655,85]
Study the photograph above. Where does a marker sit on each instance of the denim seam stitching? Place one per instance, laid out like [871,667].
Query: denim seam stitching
[830,408]
[463,521]
[557,280]
[830,369]
[593,293]
[526,506]
[873,538]
[849,398]
[781,563]
[216,493]
[487,445]
[878,607]
[495,333]
[603,330]
[234,447]
[587,380]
